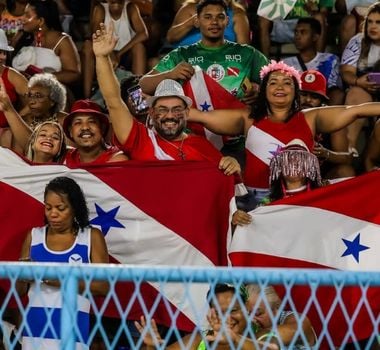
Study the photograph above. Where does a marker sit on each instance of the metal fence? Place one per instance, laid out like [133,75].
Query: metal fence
[349,319]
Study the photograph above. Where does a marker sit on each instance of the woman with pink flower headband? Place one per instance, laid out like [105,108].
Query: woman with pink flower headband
[275,120]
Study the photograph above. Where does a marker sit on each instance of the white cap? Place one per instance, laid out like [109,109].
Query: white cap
[169,88]
[4,42]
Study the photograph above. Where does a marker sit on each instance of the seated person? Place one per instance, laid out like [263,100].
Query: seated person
[129,52]
[360,57]
[282,30]
[44,47]
[306,35]
[287,325]
[223,333]
[185,28]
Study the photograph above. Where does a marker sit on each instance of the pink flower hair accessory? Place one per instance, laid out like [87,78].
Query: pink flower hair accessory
[283,68]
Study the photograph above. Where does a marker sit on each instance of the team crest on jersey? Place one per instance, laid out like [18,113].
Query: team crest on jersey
[216,72]
[75,259]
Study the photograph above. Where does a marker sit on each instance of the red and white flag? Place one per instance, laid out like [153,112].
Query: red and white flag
[336,227]
[207,95]
[151,213]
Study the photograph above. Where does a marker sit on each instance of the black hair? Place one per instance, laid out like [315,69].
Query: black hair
[261,107]
[276,190]
[203,3]
[224,287]
[63,185]
[314,24]
[46,9]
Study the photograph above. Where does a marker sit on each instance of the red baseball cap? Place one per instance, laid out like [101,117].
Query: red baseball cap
[315,82]
[86,107]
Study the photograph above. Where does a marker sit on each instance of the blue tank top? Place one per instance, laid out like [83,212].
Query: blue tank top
[195,35]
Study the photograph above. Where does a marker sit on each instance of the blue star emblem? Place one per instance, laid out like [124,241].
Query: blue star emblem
[106,219]
[354,247]
[205,106]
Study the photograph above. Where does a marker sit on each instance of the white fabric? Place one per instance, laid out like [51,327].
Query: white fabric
[159,153]
[201,94]
[272,9]
[143,230]
[122,26]
[261,144]
[40,57]
[317,239]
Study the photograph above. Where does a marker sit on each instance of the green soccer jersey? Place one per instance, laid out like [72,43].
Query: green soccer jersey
[228,64]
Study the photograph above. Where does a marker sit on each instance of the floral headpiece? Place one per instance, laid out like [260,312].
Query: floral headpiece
[283,68]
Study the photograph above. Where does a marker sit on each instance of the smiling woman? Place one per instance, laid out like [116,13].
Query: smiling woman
[47,143]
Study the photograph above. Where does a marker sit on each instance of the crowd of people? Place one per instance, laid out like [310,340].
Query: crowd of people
[105,92]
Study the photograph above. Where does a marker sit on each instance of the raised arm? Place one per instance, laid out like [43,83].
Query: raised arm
[19,128]
[121,118]
[330,119]
[223,121]
[69,57]
[183,22]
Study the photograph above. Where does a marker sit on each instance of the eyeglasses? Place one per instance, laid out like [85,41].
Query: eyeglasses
[164,111]
[37,96]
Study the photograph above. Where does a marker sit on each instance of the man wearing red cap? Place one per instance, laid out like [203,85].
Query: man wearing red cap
[313,90]
[87,127]
[338,159]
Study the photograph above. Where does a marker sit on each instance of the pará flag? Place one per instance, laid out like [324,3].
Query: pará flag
[151,213]
[207,95]
[337,227]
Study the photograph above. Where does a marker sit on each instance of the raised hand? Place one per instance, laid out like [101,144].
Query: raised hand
[222,333]
[5,102]
[152,336]
[104,40]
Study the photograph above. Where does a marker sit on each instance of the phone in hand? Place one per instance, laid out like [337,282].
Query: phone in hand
[374,77]
[137,98]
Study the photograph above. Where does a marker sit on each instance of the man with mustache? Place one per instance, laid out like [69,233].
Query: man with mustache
[163,137]
[88,127]
[234,66]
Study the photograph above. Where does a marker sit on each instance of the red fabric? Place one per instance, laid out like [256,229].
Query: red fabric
[11,91]
[220,98]
[72,158]
[139,146]
[355,199]
[256,173]
[190,199]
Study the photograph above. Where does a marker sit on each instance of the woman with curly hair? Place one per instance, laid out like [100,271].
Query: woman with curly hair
[67,237]
[46,98]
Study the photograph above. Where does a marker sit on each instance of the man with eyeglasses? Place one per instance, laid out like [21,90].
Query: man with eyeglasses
[163,137]
[235,67]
